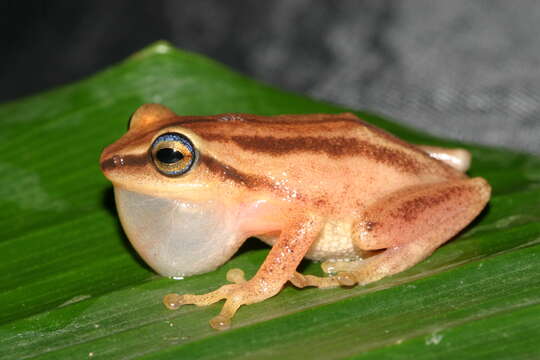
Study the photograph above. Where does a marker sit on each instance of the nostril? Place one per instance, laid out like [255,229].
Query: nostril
[118,160]
[114,162]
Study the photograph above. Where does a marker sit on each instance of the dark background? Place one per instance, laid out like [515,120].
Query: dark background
[464,69]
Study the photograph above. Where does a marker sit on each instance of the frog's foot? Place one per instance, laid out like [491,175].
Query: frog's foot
[339,274]
[343,278]
[301,281]
[387,262]
[236,295]
[333,267]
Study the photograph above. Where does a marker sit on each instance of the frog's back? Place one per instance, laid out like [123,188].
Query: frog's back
[323,156]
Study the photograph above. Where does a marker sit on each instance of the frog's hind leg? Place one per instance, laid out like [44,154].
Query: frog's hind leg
[410,224]
[403,229]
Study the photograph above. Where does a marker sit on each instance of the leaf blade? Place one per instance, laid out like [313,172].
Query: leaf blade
[72,285]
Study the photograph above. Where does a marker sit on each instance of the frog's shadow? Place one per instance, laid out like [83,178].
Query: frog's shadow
[109,204]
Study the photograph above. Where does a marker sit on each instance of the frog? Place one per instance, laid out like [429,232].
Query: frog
[331,188]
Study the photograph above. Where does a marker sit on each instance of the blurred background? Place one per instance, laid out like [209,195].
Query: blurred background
[468,70]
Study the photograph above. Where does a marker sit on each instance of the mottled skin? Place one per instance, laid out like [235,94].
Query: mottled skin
[323,186]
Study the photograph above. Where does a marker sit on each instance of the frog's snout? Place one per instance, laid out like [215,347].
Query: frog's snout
[112,162]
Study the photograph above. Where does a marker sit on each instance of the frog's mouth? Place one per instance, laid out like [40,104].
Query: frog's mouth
[177,238]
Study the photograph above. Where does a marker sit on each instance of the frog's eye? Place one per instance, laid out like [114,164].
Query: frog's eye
[173,154]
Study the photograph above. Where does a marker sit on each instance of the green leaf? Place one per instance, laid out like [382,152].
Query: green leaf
[72,287]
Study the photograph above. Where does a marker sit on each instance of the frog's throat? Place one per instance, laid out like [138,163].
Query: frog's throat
[178,238]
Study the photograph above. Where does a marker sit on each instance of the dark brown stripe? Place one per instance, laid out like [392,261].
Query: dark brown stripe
[107,164]
[118,161]
[227,172]
[392,138]
[333,147]
[410,210]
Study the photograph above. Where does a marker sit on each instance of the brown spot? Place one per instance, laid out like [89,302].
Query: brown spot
[320,202]
[370,225]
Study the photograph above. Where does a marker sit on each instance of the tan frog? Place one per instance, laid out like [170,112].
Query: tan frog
[329,187]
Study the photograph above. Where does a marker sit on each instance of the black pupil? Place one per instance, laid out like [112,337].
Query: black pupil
[169,156]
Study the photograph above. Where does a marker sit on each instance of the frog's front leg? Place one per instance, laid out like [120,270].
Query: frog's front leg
[279,265]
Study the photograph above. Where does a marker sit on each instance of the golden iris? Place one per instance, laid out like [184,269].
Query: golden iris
[173,154]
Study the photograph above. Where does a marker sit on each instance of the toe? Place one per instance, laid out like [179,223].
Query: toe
[171,301]
[236,276]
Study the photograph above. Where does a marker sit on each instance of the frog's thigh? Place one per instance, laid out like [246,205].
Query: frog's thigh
[410,224]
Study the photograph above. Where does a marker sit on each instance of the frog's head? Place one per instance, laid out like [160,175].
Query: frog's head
[171,202]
